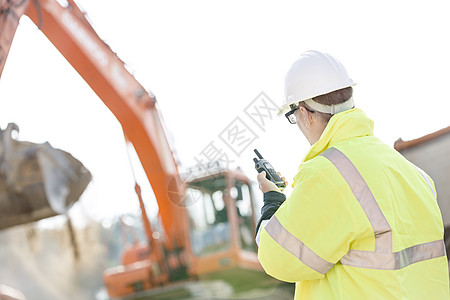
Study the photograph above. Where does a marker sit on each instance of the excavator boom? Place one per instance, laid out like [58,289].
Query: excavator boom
[71,33]
[210,237]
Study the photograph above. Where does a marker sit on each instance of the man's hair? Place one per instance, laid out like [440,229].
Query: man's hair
[333,98]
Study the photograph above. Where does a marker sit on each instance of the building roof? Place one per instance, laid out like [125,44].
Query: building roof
[401,145]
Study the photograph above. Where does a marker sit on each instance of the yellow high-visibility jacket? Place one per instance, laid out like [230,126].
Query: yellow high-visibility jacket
[361,223]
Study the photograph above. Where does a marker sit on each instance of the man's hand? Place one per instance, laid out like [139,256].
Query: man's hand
[265,185]
[272,201]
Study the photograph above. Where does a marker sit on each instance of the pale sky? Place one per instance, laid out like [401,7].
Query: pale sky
[206,61]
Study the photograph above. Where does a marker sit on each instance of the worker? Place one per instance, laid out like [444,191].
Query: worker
[361,222]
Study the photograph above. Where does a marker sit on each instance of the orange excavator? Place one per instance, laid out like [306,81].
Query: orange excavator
[207,222]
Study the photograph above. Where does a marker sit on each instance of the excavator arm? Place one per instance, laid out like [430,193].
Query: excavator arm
[71,33]
[10,13]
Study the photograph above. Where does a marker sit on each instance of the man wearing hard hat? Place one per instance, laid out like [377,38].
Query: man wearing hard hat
[362,222]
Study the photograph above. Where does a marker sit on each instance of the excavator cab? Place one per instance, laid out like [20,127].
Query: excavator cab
[222,219]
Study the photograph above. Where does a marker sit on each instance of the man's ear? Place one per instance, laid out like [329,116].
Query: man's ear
[307,116]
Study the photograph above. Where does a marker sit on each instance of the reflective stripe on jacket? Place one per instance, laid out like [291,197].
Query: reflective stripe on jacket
[361,223]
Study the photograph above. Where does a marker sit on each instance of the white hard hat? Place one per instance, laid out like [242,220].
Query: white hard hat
[313,74]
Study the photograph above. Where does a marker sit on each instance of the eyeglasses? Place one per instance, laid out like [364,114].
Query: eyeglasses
[290,114]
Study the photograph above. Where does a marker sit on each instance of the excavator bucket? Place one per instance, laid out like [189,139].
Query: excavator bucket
[37,181]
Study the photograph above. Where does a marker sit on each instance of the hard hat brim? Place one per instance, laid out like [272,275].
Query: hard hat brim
[285,108]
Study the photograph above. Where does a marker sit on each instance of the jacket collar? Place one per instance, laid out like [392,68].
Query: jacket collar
[342,126]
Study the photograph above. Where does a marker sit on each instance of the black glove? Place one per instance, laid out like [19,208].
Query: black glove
[272,201]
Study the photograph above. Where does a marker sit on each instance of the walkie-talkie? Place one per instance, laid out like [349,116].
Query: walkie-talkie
[263,165]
